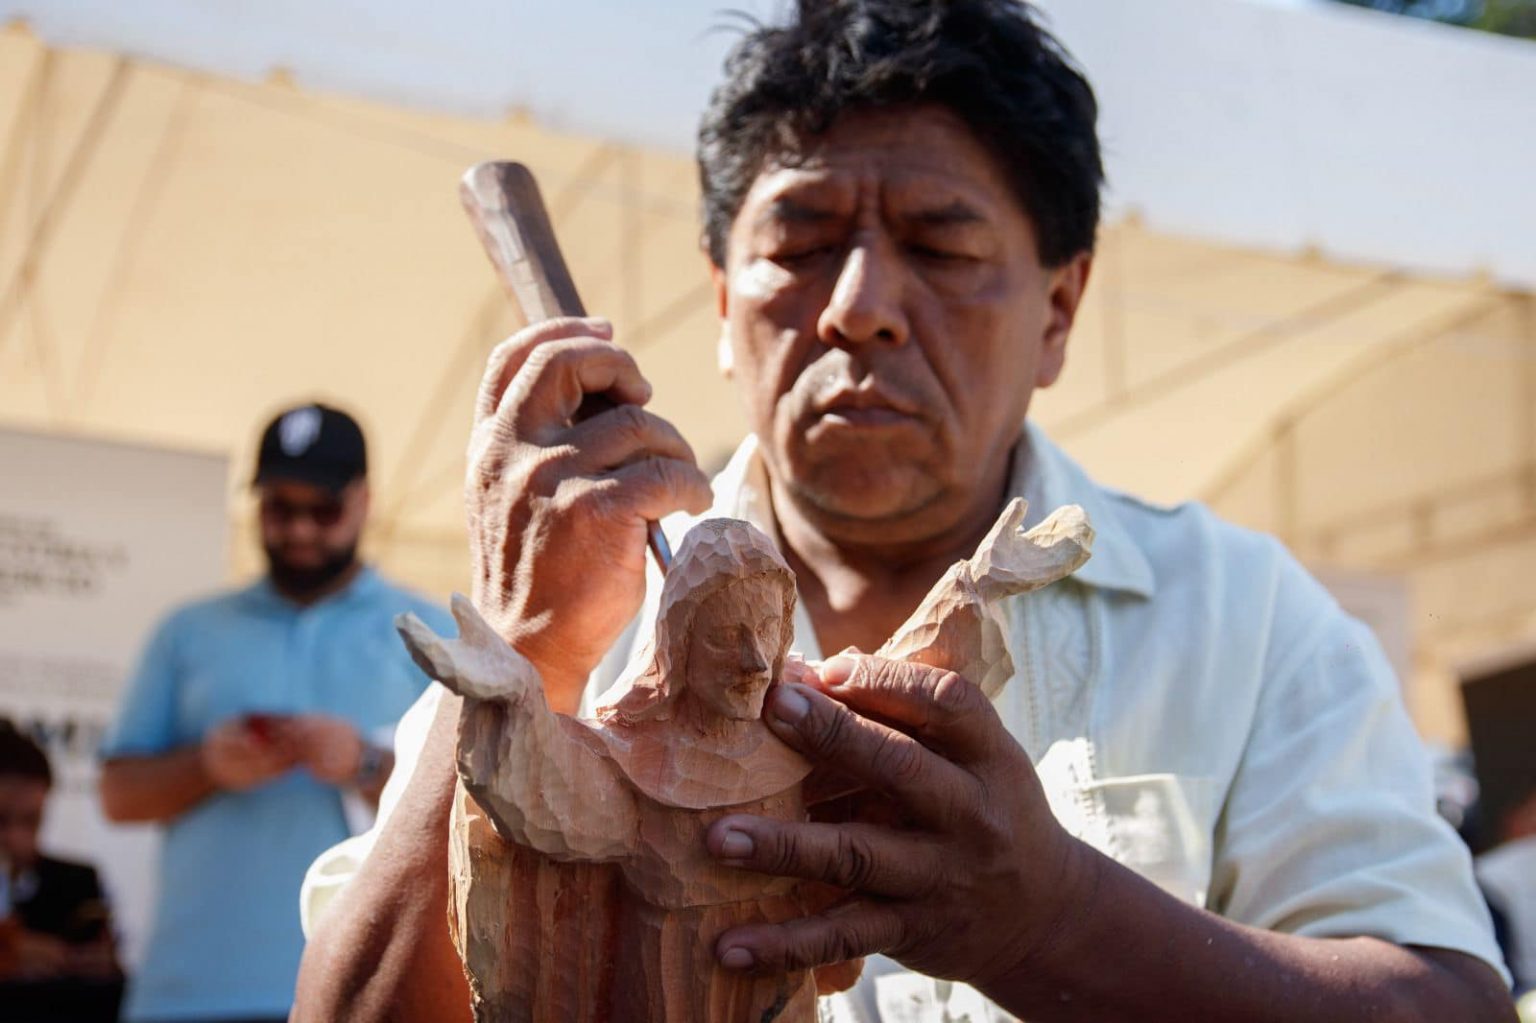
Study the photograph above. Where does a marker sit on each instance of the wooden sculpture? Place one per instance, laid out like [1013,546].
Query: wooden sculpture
[582,888]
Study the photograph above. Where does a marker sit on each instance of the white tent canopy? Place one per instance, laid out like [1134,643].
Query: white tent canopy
[1368,137]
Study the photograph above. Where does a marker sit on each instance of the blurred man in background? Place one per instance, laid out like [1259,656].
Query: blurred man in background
[254,717]
[58,960]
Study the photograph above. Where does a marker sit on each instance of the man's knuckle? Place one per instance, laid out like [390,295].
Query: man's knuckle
[969,810]
[854,863]
[632,421]
[544,471]
[667,475]
[578,498]
[903,678]
[541,359]
[896,759]
[503,356]
[829,731]
[835,943]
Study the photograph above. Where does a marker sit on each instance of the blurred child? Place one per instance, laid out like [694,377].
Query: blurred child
[58,960]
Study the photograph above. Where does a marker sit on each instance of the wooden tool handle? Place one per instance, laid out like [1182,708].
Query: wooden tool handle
[503,202]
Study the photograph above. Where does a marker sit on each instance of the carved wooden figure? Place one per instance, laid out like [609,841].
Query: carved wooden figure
[582,889]
[959,625]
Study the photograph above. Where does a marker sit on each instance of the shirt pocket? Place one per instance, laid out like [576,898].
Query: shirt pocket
[1160,826]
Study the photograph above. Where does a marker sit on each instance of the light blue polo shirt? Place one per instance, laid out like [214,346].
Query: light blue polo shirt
[226,940]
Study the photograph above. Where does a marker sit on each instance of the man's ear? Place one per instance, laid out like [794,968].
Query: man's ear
[1064,296]
[724,357]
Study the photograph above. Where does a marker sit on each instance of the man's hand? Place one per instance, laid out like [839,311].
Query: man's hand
[94,959]
[328,746]
[968,874]
[558,510]
[958,870]
[29,955]
[235,757]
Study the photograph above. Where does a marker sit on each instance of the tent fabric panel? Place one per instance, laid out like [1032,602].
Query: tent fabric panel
[1442,417]
[1165,447]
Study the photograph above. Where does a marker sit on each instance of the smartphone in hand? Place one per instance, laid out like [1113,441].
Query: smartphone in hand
[265,727]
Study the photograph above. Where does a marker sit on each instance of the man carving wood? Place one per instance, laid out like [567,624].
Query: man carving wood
[1197,797]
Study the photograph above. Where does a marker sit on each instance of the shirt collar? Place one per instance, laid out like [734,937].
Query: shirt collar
[1047,478]
[1041,473]
[363,584]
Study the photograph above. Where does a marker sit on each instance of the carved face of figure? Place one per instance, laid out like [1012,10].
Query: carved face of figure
[733,648]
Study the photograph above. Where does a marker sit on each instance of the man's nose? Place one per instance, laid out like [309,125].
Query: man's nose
[301,529]
[866,303]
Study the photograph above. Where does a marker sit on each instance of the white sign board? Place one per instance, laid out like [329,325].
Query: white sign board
[97,541]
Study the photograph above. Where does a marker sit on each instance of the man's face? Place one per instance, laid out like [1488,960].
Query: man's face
[21,818]
[888,318]
[734,647]
[310,534]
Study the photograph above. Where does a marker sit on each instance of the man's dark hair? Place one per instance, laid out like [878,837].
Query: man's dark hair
[988,61]
[20,757]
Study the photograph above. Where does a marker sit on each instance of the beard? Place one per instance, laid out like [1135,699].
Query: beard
[308,580]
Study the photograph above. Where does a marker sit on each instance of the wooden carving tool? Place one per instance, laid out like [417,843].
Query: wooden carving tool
[503,202]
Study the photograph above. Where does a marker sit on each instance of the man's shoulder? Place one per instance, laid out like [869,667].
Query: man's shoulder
[225,603]
[1150,548]
[1242,582]
[1189,544]
[1189,533]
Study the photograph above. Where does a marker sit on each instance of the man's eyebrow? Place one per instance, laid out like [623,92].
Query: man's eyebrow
[951,214]
[791,211]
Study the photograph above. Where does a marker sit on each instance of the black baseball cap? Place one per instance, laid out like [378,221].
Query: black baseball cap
[312,444]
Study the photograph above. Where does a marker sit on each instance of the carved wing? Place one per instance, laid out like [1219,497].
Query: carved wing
[540,784]
[959,625]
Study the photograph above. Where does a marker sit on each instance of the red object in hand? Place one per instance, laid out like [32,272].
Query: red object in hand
[264,726]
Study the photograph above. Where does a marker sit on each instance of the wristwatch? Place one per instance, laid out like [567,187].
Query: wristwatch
[370,767]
